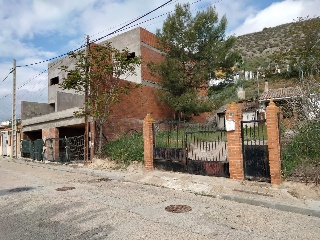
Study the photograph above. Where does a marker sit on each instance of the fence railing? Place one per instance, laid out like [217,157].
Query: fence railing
[54,149]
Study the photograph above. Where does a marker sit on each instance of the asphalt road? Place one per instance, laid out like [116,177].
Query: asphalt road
[32,207]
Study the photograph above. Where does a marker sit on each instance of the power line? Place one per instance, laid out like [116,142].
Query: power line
[82,46]
[125,27]
[123,23]
[118,30]
[11,71]
[131,22]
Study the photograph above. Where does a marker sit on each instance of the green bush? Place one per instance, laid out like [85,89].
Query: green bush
[303,150]
[125,149]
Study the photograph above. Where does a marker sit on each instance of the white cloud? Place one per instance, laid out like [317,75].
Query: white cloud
[278,13]
[35,30]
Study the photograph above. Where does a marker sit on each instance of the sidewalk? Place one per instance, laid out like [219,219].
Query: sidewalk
[248,192]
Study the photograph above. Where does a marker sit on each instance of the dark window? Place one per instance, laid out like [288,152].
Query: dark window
[131,55]
[54,81]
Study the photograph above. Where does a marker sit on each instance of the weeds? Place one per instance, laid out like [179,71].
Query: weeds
[125,149]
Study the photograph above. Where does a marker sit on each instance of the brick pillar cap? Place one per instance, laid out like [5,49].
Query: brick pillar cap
[272,105]
[148,118]
[272,102]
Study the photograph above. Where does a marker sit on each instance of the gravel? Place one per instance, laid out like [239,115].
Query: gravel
[114,208]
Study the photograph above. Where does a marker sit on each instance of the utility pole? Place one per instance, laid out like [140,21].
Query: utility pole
[258,84]
[14,117]
[86,127]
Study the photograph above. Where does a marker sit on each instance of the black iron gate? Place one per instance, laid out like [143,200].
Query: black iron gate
[54,149]
[32,149]
[64,149]
[255,150]
[207,153]
[193,148]
[169,150]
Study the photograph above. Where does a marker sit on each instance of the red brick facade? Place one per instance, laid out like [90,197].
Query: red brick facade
[235,157]
[149,55]
[148,142]
[148,38]
[52,133]
[129,113]
[273,142]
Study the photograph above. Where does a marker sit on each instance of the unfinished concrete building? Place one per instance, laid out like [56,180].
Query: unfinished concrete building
[56,119]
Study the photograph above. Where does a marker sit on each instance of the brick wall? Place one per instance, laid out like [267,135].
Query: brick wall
[52,133]
[148,38]
[149,55]
[273,142]
[148,142]
[234,148]
[129,113]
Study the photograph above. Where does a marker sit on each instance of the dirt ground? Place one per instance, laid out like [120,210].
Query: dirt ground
[299,190]
[305,191]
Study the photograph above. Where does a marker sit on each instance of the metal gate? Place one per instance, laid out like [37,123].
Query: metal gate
[169,151]
[255,150]
[32,149]
[54,149]
[64,149]
[192,148]
[207,153]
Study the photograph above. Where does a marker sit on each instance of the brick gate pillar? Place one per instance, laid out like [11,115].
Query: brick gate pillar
[148,142]
[273,142]
[234,116]
[92,137]
[52,133]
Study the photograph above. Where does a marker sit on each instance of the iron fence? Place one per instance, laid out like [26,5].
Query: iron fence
[54,149]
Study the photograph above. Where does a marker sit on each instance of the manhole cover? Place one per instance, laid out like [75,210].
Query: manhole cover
[178,208]
[20,189]
[65,188]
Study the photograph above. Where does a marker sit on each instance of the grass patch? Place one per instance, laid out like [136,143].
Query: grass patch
[176,137]
[255,133]
[125,149]
[301,155]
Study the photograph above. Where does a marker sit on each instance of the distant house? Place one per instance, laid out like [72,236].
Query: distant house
[6,141]
[250,111]
[288,99]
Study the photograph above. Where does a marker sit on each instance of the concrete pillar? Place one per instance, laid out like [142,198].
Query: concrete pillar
[273,142]
[148,142]
[234,114]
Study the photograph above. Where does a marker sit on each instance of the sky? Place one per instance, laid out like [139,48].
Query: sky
[33,31]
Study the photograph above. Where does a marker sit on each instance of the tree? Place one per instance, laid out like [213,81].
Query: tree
[194,48]
[303,56]
[100,70]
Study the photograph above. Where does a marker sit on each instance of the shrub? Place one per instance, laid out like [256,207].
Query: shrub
[302,152]
[125,149]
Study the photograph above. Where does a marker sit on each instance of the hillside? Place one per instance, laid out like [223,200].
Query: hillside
[256,48]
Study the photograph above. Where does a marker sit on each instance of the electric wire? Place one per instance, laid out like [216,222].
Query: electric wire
[125,27]
[84,45]
[11,71]
[123,23]
[121,28]
[118,30]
